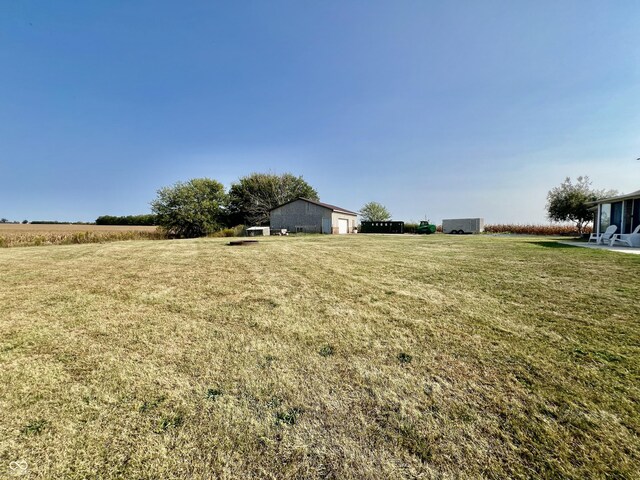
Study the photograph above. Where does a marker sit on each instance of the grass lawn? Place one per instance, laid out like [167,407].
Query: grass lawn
[355,357]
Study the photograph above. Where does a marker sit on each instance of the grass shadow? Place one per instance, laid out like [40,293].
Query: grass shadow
[552,244]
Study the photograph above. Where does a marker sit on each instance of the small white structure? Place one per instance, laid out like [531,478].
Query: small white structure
[463,225]
[258,231]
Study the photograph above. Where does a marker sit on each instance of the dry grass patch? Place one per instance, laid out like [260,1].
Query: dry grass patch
[320,357]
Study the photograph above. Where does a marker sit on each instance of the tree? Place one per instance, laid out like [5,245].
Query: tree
[24,222]
[375,212]
[190,209]
[252,197]
[568,202]
[4,220]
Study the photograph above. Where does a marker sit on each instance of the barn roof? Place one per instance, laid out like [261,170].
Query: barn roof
[333,208]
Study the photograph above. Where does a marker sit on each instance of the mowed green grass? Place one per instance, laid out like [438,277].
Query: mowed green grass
[355,357]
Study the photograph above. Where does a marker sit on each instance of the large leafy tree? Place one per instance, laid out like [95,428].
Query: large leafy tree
[568,202]
[252,197]
[191,209]
[375,212]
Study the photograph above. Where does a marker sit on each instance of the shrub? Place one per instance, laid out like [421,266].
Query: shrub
[237,231]
[410,227]
[225,232]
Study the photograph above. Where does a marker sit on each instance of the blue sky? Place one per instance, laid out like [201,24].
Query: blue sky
[436,109]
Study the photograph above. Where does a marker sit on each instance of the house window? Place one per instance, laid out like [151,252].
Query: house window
[635,215]
[605,216]
[616,215]
[627,216]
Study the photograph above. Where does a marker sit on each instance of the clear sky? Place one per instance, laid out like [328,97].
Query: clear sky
[438,109]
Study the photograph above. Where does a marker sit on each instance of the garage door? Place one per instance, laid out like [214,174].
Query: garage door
[343,226]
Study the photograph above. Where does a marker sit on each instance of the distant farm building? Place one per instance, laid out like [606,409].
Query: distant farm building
[309,216]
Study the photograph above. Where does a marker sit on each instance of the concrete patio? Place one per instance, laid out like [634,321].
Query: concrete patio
[631,250]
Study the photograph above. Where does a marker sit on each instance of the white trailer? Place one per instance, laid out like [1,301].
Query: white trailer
[463,225]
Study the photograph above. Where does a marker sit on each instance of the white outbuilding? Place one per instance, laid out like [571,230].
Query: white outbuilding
[258,231]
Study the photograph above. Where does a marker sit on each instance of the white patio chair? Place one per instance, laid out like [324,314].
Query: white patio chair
[604,237]
[630,239]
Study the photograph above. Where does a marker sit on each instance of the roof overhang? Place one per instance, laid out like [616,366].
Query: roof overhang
[617,198]
[333,208]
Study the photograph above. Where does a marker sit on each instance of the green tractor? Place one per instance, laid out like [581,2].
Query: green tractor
[426,228]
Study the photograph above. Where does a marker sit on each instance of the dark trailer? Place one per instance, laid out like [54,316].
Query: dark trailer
[382,227]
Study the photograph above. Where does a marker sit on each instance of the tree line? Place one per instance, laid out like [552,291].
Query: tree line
[148,219]
[201,206]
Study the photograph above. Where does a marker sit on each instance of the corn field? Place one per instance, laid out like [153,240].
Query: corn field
[39,235]
[564,230]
